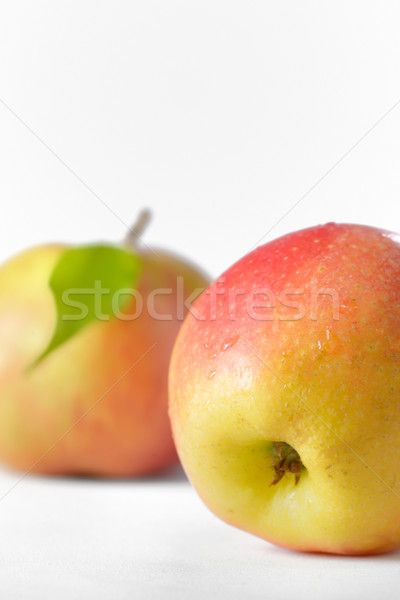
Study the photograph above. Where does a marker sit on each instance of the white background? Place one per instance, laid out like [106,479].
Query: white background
[221,117]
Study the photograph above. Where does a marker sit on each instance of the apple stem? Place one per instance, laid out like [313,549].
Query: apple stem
[133,236]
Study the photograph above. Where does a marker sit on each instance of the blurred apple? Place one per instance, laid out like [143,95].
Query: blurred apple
[285,391]
[85,340]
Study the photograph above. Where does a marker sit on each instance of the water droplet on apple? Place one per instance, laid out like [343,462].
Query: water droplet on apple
[229,343]
[212,355]
[319,345]
[395,346]
[211,374]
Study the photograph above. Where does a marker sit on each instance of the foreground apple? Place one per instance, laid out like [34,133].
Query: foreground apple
[89,395]
[285,391]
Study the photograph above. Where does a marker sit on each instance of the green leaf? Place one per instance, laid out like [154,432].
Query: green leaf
[88,284]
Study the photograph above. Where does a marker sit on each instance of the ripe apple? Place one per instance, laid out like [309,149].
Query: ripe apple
[285,391]
[81,397]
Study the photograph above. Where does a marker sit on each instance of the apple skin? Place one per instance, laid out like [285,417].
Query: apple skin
[329,386]
[81,410]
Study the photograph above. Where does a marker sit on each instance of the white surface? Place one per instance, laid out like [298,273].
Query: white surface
[153,539]
[219,116]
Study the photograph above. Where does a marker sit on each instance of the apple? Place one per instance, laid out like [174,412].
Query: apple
[285,391]
[87,393]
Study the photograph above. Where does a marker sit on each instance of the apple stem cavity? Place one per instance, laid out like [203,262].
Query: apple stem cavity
[132,238]
[285,459]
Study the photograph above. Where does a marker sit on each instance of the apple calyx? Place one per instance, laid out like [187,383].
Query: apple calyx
[285,459]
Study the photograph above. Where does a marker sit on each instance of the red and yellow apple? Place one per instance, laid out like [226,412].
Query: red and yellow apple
[285,391]
[97,403]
